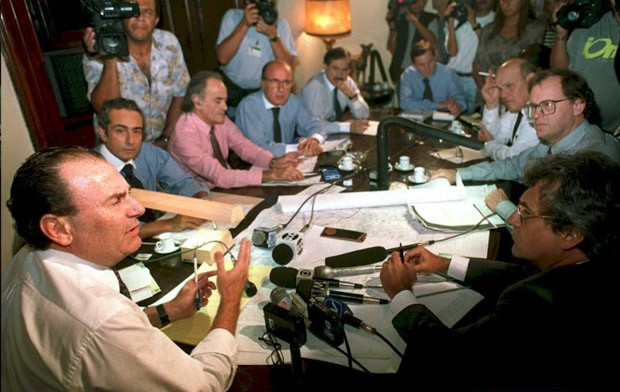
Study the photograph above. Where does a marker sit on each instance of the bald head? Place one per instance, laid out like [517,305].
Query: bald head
[512,79]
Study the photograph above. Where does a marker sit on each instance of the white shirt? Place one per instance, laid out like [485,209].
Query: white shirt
[501,127]
[65,326]
[467,42]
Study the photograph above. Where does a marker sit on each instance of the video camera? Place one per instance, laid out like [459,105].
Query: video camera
[460,11]
[395,7]
[267,10]
[581,14]
[107,21]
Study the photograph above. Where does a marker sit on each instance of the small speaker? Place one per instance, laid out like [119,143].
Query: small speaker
[288,247]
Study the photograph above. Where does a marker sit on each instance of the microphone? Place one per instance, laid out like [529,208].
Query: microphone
[324,271]
[288,246]
[346,315]
[289,277]
[286,300]
[308,289]
[250,289]
[367,256]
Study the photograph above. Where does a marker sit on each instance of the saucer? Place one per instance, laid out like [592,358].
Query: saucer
[398,168]
[341,167]
[412,179]
[176,247]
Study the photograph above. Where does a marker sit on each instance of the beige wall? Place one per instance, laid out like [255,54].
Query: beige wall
[16,146]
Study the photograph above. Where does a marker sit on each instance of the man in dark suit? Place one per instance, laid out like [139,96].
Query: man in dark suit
[544,325]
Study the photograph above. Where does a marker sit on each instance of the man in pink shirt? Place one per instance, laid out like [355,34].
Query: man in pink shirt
[204,135]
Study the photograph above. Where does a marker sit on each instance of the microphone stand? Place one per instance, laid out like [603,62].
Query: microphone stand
[297,368]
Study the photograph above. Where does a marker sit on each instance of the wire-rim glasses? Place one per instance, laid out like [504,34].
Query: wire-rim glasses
[546,107]
[525,215]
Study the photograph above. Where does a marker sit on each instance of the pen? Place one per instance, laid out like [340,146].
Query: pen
[196,281]
[313,174]
[402,252]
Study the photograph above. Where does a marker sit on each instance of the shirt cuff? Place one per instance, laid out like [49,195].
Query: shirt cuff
[344,127]
[505,209]
[402,300]
[318,137]
[458,267]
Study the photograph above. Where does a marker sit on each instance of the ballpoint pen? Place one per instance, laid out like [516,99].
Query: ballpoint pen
[196,281]
[402,252]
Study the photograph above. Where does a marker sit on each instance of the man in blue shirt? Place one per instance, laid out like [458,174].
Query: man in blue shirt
[427,85]
[256,114]
[121,132]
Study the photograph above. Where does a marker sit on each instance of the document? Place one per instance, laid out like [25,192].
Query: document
[139,282]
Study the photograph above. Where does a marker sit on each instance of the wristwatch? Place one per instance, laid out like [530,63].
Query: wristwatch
[477,26]
[275,38]
[163,316]
[163,138]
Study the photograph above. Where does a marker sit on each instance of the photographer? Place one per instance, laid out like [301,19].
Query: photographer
[154,74]
[590,51]
[465,23]
[246,42]
[408,23]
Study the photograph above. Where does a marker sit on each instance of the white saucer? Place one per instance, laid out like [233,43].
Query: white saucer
[341,167]
[177,247]
[398,168]
[412,179]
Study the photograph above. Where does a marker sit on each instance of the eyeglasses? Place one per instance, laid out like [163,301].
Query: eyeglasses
[277,82]
[275,358]
[525,215]
[545,107]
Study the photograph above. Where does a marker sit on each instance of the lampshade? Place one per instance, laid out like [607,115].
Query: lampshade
[328,18]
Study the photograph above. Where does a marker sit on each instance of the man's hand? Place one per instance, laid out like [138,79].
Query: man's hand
[286,160]
[289,173]
[424,261]
[269,30]
[184,304]
[490,91]
[309,147]
[484,135]
[346,89]
[495,197]
[181,222]
[397,276]
[452,106]
[359,126]
[449,174]
[250,15]
[232,283]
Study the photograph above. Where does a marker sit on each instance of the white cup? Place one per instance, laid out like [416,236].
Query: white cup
[419,174]
[347,163]
[166,243]
[404,163]
[456,126]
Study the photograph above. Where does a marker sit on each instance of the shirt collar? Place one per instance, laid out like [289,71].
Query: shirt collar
[113,159]
[268,105]
[329,84]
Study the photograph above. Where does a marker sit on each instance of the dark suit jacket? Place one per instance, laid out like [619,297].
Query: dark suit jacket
[544,329]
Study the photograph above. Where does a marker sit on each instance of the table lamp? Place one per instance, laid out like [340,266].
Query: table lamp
[328,19]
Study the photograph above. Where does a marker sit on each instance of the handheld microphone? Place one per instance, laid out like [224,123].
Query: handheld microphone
[367,256]
[288,246]
[289,277]
[346,314]
[324,271]
[286,300]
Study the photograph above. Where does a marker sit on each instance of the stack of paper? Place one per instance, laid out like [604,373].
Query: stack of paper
[455,216]
[139,281]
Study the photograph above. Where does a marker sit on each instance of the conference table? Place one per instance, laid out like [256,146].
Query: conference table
[169,272]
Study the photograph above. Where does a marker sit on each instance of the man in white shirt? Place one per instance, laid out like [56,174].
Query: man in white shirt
[504,128]
[330,91]
[65,325]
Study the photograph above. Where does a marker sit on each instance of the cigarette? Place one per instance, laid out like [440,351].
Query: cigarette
[484,74]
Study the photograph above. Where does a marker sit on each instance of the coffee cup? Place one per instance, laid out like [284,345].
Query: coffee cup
[347,163]
[419,174]
[403,162]
[456,126]
[166,243]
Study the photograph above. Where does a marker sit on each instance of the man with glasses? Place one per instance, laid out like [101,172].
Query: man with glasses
[273,118]
[542,325]
[560,105]
[204,137]
[329,92]
[154,75]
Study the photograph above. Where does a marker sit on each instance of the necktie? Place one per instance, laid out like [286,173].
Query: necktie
[549,151]
[514,129]
[123,286]
[134,182]
[277,131]
[337,108]
[217,151]
[428,93]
